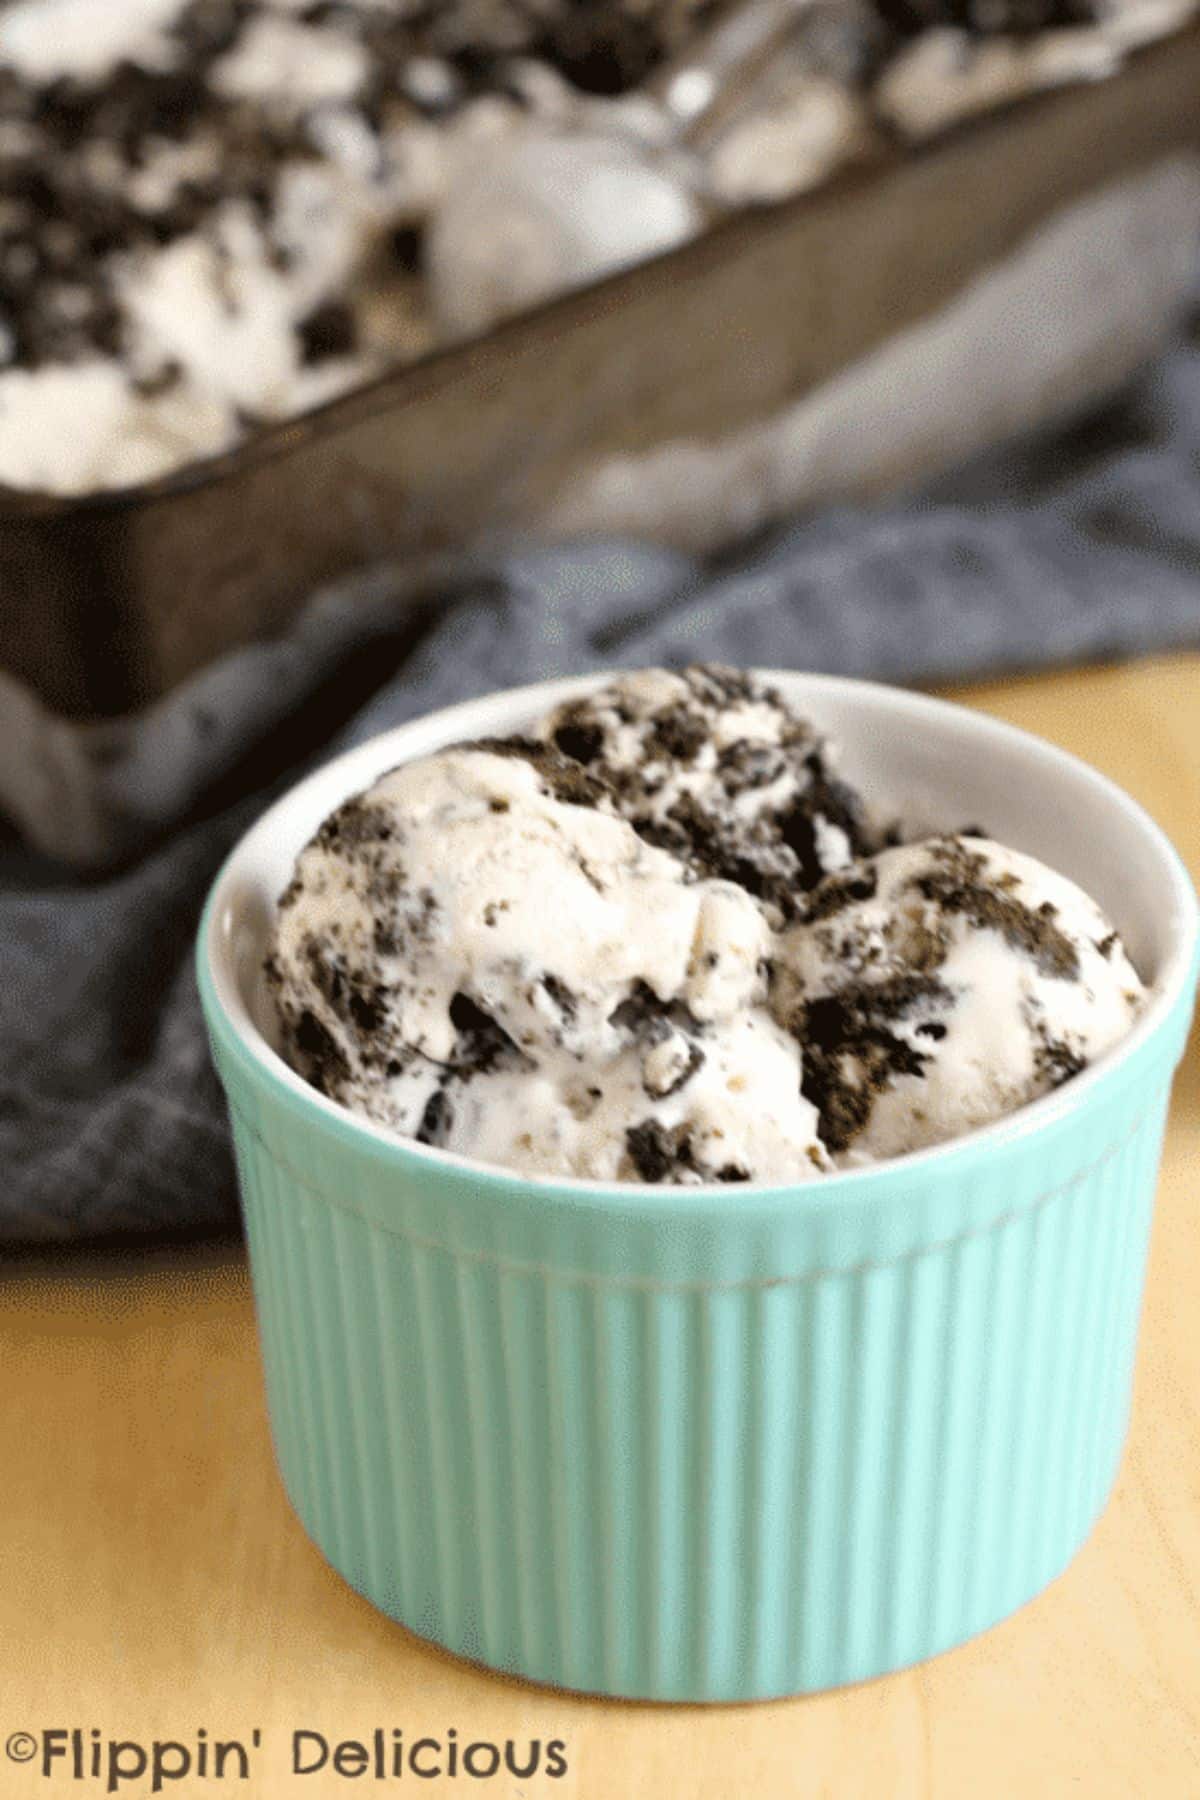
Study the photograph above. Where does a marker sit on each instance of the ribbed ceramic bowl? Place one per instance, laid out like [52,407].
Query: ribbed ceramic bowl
[715,1443]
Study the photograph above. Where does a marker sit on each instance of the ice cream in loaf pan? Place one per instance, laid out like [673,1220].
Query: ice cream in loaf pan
[216,214]
[661,939]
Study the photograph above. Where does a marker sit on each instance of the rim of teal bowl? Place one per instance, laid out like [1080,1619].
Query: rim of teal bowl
[1173,992]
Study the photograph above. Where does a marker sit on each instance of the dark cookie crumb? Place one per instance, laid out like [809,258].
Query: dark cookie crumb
[385,939]
[482,1043]
[359,1003]
[328,331]
[720,684]
[647,1019]
[562,778]
[722,849]
[581,741]
[693,1063]
[851,1052]
[825,799]
[838,891]
[678,733]
[744,765]
[1056,1061]
[652,1150]
[356,825]
[640,1011]
[659,1154]
[437,1119]
[314,1053]
[962,884]
[561,995]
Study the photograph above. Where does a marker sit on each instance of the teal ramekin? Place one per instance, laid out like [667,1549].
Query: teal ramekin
[715,1443]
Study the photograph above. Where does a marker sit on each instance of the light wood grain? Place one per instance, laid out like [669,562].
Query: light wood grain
[153,1579]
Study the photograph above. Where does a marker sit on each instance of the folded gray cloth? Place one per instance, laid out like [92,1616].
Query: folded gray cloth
[1084,546]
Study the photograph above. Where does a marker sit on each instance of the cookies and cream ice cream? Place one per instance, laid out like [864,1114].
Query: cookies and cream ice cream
[940,985]
[482,954]
[660,939]
[718,771]
[217,214]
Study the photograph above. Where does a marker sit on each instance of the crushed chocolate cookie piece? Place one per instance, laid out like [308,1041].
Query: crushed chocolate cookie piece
[385,938]
[652,1150]
[482,1043]
[1056,1061]
[837,892]
[669,1064]
[719,685]
[824,803]
[562,777]
[578,739]
[659,1154]
[852,1050]
[744,765]
[330,330]
[407,248]
[355,826]
[355,1001]
[956,886]
[641,1013]
[717,850]
[153,383]
[436,1120]
[315,1054]
[677,733]
[560,994]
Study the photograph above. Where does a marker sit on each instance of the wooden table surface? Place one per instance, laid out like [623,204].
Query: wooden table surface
[154,1582]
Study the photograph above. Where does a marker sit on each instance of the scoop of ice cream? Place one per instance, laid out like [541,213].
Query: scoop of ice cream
[480,953]
[542,213]
[647,943]
[673,1105]
[938,986]
[714,767]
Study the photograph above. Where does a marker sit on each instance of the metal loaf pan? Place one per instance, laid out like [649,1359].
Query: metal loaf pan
[109,600]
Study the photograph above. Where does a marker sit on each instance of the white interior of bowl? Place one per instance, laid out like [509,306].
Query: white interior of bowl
[928,763]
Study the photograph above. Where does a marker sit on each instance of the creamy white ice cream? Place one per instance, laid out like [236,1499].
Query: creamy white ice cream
[219,215]
[480,953]
[941,985]
[644,943]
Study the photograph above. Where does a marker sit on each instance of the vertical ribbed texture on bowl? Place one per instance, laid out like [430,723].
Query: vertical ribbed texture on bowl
[701,1489]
